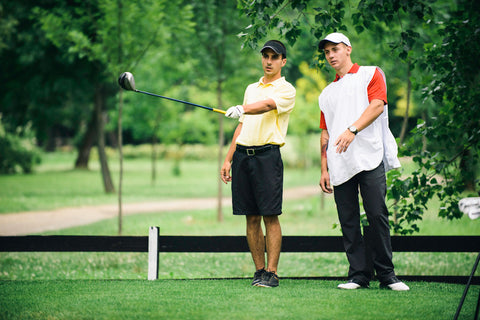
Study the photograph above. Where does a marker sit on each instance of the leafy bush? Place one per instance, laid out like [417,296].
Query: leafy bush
[17,151]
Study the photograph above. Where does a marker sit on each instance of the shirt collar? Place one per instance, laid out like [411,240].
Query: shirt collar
[261,83]
[353,69]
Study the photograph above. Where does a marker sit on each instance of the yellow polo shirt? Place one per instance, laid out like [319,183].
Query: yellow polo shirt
[269,127]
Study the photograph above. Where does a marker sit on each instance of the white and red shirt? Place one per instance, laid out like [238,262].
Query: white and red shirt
[341,103]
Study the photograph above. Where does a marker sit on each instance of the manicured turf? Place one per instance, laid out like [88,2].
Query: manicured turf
[226,299]
[83,285]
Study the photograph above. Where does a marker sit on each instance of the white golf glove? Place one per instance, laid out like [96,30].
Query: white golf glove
[234,112]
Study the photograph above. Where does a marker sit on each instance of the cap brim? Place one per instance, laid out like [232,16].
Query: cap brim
[270,47]
[321,45]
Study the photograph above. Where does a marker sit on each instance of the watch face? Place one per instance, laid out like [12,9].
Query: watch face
[353,129]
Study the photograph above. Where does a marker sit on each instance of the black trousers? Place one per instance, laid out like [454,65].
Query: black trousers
[373,188]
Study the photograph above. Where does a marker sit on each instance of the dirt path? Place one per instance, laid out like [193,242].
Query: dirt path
[31,222]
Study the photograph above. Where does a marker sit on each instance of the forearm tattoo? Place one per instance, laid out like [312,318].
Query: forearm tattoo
[324,148]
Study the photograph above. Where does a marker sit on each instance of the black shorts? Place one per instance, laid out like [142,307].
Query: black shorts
[257,180]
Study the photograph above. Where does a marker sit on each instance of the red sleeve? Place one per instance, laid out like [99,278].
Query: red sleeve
[377,88]
[323,124]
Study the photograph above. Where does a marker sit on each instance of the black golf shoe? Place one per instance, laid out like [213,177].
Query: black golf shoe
[269,279]
[257,277]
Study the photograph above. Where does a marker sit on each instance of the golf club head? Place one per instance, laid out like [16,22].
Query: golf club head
[126,81]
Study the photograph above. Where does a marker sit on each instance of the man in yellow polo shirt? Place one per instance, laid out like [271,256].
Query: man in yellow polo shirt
[256,163]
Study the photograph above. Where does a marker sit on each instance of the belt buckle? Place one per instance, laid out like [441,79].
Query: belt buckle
[251,152]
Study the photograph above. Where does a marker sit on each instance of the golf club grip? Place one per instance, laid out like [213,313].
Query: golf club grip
[219,110]
[181,101]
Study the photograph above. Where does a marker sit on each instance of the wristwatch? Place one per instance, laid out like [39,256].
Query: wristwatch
[353,129]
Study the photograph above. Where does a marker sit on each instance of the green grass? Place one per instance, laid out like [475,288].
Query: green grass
[311,216]
[226,299]
[301,217]
[122,266]
[63,188]
[55,184]
[86,285]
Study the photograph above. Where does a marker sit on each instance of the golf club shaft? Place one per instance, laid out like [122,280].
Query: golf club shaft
[181,101]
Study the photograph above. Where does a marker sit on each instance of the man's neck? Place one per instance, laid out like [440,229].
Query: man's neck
[344,69]
[267,79]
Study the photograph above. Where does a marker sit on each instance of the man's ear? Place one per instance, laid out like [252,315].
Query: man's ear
[284,61]
[349,50]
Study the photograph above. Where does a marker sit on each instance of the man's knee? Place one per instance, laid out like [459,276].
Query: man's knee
[271,220]
[254,220]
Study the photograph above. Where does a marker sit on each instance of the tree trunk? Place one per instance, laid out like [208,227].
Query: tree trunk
[119,123]
[424,138]
[120,155]
[405,117]
[154,153]
[468,168]
[51,144]
[87,142]
[220,152]
[100,115]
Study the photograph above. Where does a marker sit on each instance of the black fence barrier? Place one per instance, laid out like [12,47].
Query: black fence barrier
[73,244]
[238,244]
[223,244]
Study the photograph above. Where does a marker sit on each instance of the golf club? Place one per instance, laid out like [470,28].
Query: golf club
[127,82]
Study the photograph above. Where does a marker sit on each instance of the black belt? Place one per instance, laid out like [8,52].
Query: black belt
[251,151]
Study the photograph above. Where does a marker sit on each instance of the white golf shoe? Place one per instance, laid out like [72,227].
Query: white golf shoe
[394,284]
[351,285]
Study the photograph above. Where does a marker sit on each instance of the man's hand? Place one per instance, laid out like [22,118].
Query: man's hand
[234,112]
[225,172]
[344,140]
[325,182]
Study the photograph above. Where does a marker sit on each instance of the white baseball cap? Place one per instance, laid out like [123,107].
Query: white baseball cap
[335,37]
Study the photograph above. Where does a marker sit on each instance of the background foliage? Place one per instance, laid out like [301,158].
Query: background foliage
[428,39]
[61,60]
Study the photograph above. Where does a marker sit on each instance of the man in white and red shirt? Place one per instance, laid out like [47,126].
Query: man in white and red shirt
[357,148]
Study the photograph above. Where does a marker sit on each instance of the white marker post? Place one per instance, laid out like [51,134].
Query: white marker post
[153,253]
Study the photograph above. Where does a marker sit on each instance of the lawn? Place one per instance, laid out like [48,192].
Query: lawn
[80,285]
[225,299]
[55,184]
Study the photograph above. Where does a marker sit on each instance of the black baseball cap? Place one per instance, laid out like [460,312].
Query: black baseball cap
[276,46]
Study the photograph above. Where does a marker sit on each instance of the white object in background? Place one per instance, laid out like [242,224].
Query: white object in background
[153,253]
[470,206]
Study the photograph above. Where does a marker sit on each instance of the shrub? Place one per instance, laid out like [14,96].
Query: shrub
[17,151]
